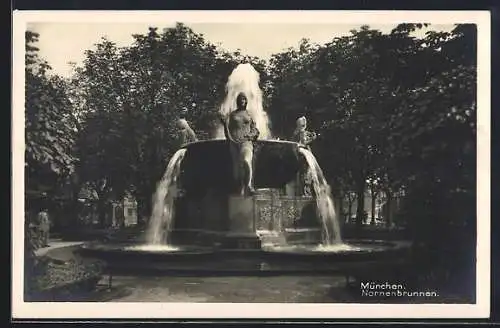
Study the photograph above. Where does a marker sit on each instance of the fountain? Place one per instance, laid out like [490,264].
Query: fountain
[199,223]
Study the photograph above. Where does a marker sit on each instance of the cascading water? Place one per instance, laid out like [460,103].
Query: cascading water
[245,78]
[163,202]
[326,210]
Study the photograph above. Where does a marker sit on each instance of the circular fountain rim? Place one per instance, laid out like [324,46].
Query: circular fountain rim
[383,246]
[120,248]
[235,261]
[257,141]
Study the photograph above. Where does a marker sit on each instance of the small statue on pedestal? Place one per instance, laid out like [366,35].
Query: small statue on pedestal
[187,134]
[44,226]
[301,135]
[241,131]
[304,138]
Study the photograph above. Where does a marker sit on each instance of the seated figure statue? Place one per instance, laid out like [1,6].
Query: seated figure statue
[240,130]
[304,138]
[187,134]
[301,135]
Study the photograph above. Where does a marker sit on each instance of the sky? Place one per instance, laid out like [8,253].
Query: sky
[60,43]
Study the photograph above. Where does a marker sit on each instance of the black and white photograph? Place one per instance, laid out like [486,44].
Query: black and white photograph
[303,164]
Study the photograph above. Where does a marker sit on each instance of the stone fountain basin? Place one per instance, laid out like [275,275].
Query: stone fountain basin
[298,259]
[339,257]
[119,251]
[352,249]
[275,164]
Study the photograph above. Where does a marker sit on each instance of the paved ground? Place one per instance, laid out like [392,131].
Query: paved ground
[280,289]
[283,289]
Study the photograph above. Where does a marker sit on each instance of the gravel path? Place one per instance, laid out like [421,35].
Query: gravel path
[55,245]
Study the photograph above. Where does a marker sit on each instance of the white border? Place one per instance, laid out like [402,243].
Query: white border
[481,309]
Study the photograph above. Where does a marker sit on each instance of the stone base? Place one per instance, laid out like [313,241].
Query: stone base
[232,241]
[303,236]
[225,240]
[239,222]
[241,215]
[250,240]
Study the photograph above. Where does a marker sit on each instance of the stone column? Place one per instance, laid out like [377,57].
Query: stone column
[241,234]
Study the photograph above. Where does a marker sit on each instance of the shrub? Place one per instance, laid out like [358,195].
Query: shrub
[49,276]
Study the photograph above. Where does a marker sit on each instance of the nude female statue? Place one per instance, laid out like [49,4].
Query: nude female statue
[240,130]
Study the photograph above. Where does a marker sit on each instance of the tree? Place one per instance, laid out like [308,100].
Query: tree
[443,109]
[49,139]
[49,123]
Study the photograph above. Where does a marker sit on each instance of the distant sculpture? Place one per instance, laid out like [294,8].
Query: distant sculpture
[187,134]
[301,135]
[120,216]
[241,131]
[304,138]
[44,226]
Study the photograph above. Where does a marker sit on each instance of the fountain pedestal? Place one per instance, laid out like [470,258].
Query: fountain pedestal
[241,215]
[236,222]
[208,214]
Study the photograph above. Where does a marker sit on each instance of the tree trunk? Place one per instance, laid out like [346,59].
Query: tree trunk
[142,212]
[338,203]
[144,209]
[73,210]
[360,194]
[144,197]
[341,209]
[350,200]
[388,214]
[101,212]
[373,200]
